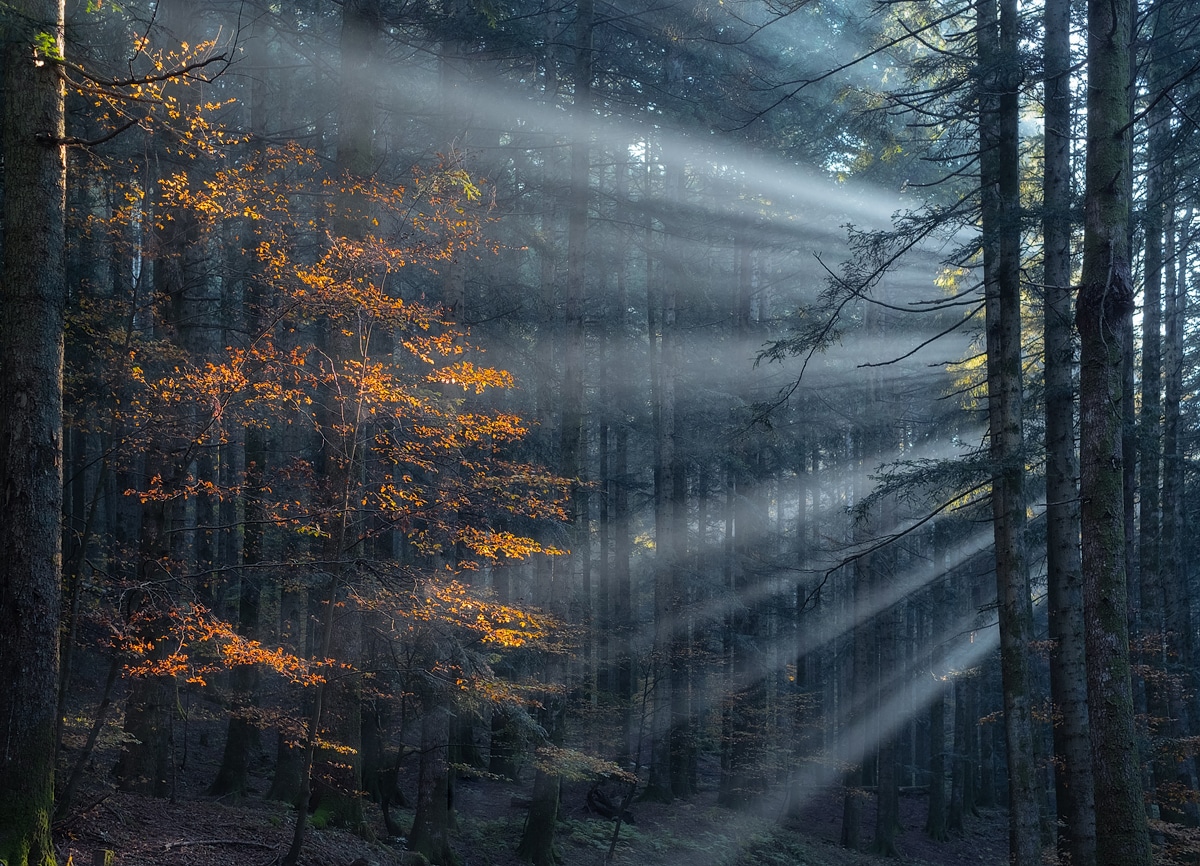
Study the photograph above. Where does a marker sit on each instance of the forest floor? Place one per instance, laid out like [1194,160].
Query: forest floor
[193,829]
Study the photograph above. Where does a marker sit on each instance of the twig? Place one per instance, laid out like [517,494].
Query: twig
[67,821]
[244,843]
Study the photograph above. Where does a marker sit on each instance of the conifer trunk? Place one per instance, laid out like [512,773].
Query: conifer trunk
[1177,587]
[431,824]
[243,737]
[1068,676]
[1103,309]
[1000,208]
[31,386]
[935,821]
[1151,582]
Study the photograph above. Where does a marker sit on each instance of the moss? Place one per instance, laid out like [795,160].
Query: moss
[322,818]
[33,848]
[597,834]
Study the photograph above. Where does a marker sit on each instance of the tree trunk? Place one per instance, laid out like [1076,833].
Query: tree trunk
[1000,207]
[1068,676]
[243,738]
[1103,309]
[887,815]
[962,777]
[1150,578]
[31,387]
[1177,587]
[537,842]
[665,607]
[431,824]
[935,821]
[287,782]
[854,750]
[144,765]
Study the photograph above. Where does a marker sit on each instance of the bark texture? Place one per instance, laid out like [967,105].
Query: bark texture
[31,368]
[1000,193]
[1074,798]
[1103,309]
[431,824]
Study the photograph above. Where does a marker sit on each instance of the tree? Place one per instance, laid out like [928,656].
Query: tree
[1000,212]
[935,822]
[537,840]
[33,296]
[1068,672]
[1104,306]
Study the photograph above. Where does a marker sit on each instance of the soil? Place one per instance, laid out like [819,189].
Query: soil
[192,829]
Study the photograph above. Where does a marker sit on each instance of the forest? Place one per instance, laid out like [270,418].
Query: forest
[722,432]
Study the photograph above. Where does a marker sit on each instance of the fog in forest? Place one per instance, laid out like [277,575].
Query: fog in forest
[736,433]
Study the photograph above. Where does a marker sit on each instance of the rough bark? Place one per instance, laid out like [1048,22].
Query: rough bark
[859,663]
[660,322]
[1150,578]
[1176,584]
[243,738]
[887,814]
[1000,205]
[31,370]
[1103,308]
[935,821]
[1068,674]
[537,842]
[431,824]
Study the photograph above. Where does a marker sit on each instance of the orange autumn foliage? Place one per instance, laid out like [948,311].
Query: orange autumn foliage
[337,348]
[380,400]
[193,644]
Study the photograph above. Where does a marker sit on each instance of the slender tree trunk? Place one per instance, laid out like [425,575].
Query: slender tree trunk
[887,815]
[662,410]
[849,739]
[312,734]
[287,782]
[1153,631]
[537,842]
[961,777]
[622,541]
[935,822]
[964,776]
[999,169]
[336,710]
[857,680]
[1103,309]
[1068,674]
[145,762]
[1177,587]
[243,737]
[675,534]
